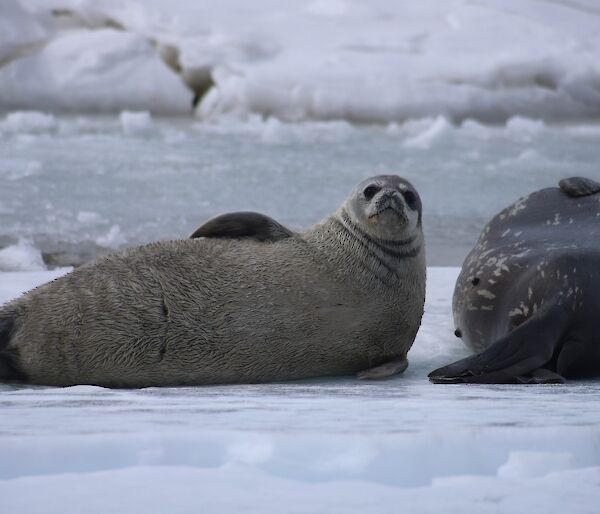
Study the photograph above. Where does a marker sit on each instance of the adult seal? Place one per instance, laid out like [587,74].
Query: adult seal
[528,295]
[244,300]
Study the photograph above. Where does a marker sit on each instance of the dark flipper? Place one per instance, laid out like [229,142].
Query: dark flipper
[9,371]
[252,225]
[579,186]
[515,358]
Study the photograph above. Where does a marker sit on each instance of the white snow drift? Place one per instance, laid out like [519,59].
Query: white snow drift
[329,59]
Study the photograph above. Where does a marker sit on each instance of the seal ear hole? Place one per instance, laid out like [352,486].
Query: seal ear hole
[410,198]
[370,191]
[458,333]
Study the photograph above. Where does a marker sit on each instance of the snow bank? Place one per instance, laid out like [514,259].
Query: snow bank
[329,59]
[101,70]
[21,257]
[20,32]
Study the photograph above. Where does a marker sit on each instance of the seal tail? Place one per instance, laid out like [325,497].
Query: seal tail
[9,371]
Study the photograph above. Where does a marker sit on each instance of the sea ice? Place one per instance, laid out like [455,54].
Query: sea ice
[335,445]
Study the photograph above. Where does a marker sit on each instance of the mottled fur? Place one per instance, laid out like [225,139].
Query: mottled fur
[204,311]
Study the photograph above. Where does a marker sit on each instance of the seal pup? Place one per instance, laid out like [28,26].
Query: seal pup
[528,295]
[244,300]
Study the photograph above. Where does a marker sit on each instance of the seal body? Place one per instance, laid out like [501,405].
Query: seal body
[265,305]
[528,295]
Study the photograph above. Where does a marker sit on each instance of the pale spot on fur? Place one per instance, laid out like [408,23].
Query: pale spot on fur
[487,307]
[505,233]
[529,293]
[515,312]
[486,294]
[518,206]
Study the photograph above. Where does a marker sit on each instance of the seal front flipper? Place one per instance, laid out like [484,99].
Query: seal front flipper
[387,369]
[579,186]
[235,225]
[514,357]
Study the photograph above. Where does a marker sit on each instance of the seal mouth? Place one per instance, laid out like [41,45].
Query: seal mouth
[390,207]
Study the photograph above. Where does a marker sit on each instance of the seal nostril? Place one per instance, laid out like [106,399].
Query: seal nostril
[370,191]
[458,333]
[475,281]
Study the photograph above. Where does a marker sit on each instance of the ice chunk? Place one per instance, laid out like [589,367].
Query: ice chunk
[113,238]
[90,218]
[527,464]
[136,123]
[29,121]
[21,257]
[432,134]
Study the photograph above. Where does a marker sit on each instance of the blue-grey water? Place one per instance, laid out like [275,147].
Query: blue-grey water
[79,187]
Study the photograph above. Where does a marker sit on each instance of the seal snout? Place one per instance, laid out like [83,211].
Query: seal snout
[390,199]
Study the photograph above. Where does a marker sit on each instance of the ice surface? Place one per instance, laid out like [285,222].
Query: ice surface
[379,61]
[338,445]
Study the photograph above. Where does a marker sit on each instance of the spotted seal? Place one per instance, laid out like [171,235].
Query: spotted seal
[244,300]
[528,296]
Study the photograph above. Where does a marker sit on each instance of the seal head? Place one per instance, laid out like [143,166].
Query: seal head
[386,206]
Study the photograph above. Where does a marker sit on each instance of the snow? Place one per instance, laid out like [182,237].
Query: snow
[376,62]
[21,257]
[339,445]
[100,70]
[20,33]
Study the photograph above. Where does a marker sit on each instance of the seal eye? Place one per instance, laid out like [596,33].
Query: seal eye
[371,191]
[410,198]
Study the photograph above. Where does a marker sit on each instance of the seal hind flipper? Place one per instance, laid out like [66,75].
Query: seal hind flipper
[516,357]
[9,371]
[237,225]
[579,186]
[387,369]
